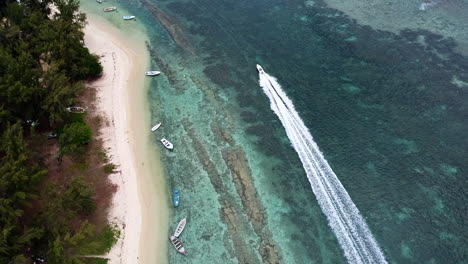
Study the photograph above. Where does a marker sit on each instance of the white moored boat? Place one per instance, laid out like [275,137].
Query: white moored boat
[180,227]
[128,17]
[109,9]
[178,245]
[167,144]
[155,127]
[260,69]
[152,73]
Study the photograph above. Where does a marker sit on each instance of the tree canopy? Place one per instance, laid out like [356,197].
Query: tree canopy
[43,64]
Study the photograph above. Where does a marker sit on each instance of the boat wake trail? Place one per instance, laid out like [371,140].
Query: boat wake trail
[353,234]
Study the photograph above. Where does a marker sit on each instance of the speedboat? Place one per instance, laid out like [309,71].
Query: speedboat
[176,197]
[180,227]
[109,9]
[152,73]
[167,144]
[178,245]
[155,127]
[260,69]
[128,17]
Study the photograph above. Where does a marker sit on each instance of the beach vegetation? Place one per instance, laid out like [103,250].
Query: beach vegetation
[74,137]
[109,168]
[53,205]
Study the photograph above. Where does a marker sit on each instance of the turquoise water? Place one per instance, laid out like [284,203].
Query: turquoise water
[388,111]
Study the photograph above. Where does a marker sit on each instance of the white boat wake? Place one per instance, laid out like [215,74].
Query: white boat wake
[354,236]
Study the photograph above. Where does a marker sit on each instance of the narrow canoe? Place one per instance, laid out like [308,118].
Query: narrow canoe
[155,127]
[152,73]
[178,245]
[180,227]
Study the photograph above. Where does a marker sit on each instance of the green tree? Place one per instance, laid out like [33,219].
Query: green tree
[74,137]
[18,177]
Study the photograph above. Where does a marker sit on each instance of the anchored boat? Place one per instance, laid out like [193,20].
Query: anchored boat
[109,9]
[152,73]
[176,197]
[128,17]
[155,127]
[167,144]
[180,227]
[178,245]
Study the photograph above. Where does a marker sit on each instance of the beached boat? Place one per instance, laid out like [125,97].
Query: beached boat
[167,144]
[152,73]
[128,17]
[178,245]
[155,127]
[76,109]
[180,227]
[176,197]
[109,9]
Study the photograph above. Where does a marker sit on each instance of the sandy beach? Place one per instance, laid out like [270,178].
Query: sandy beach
[140,204]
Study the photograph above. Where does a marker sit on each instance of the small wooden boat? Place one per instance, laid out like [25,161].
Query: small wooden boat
[180,227]
[128,17]
[155,127]
[178,245]
[176,197]
[109,9]
[167,144]
[152,73]
[76,109]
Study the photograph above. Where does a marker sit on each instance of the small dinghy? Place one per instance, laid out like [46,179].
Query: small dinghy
[99,1]
[128,17]
[109,9]
[152,73]
[167,144]
[76,109]
[155,127]
[178,245]
[180,227]
[176,197]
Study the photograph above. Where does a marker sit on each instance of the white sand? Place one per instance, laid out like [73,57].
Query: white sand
[140,204]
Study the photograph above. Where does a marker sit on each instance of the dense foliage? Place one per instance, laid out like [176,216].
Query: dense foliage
[42,67]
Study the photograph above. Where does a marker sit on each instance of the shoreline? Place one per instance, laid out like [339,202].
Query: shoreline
[139,206]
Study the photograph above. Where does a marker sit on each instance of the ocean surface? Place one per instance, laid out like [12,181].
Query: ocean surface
[359,152]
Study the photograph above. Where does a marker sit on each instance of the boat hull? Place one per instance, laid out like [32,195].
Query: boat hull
[155,127]
[180,227]
[152,73]
[178,245]
[176,197]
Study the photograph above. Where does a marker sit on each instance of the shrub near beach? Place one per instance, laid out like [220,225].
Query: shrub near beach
[51,209]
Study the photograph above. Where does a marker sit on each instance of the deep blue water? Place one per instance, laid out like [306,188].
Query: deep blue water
[388,111]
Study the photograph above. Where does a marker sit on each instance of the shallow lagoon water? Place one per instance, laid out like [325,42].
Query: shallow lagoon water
[387,110]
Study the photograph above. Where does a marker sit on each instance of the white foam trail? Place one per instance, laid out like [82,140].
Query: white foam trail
[353,234]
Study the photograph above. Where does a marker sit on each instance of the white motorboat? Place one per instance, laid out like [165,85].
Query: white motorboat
[128,17]
[167,144]
[152,73]
[180,227]
[155,127]
[260,69]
